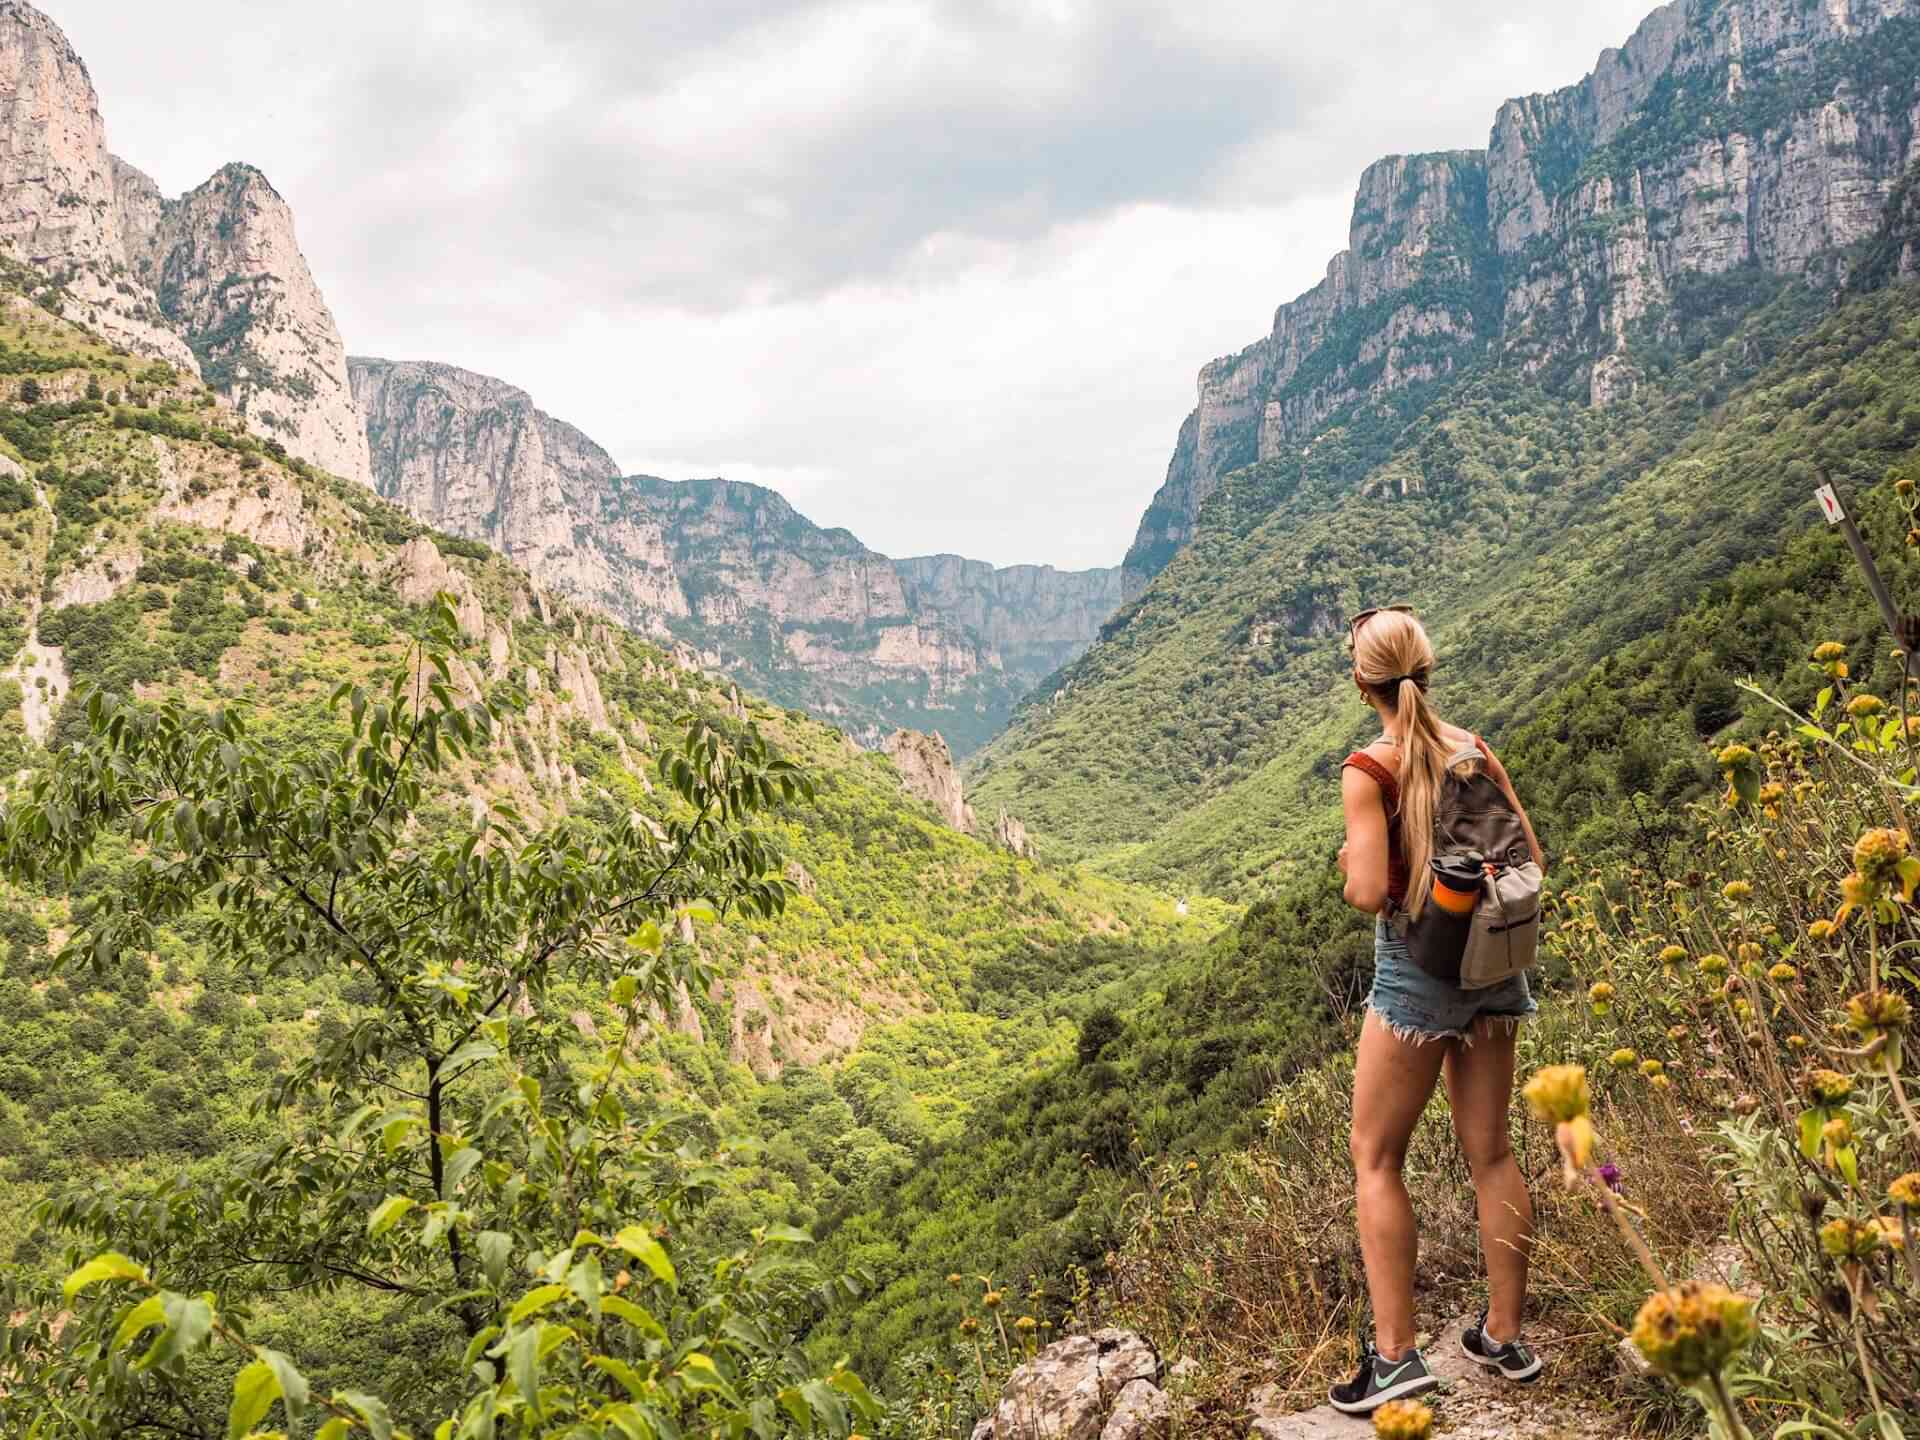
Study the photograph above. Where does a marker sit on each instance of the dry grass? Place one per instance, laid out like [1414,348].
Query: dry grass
[1250,1263]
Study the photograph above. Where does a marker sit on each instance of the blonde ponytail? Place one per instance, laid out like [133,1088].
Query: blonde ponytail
[1423,769]
[1393,657]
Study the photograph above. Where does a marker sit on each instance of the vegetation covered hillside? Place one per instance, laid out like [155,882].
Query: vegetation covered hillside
[1195,744]
[906,974]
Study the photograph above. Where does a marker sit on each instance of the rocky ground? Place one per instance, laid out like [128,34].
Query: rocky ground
[1111,1385]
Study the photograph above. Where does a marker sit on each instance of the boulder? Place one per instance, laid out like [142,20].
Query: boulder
[1077,1388]
[1141,1412]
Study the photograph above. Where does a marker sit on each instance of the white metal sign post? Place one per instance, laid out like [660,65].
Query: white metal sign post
[1837,516]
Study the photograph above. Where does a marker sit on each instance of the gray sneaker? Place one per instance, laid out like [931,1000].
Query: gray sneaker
[1513,1360]
[1381,1380]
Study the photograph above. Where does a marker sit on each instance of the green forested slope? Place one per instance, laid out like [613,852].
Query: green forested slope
[162,554]
[1196,744]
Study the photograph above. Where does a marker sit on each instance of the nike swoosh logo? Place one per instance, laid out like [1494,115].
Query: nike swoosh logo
[1387,1379]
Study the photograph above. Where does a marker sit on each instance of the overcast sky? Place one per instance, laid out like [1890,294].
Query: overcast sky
[941,272]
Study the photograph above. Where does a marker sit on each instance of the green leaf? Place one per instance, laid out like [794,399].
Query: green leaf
[495,1248]
[471,1053]
[108,1265]
[255,1389]
[534,1301]
[335,1429]
[387,1214]
[637,1242]
[293,1385]
[523,1365]
[138,1320]
[1849,1163]
[372,1412]
[459,1165]
[826,1403]
[850,1385]
[588,1282]
[698,1372]
[621,1371]
[787,1235]
[641,1319]
[189,1322]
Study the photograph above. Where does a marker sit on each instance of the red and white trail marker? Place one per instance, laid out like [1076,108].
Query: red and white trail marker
[1830,505]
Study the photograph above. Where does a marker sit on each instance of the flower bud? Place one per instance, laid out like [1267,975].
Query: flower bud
[1622,1059]
[1673,954]
[1713,964]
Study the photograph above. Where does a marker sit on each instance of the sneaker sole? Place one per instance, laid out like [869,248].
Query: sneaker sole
[1417,1385]
[1489,1363]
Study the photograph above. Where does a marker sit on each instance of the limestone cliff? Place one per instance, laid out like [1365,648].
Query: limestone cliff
[224,261]
[807,615]
[213,282]
[59,202]
[1727,141]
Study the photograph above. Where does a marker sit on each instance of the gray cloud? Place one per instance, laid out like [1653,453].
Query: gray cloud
[925,263]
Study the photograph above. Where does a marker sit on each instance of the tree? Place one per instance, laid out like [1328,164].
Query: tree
[449,1149]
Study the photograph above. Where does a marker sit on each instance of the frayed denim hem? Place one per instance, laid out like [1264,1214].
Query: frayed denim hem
[1414,1035]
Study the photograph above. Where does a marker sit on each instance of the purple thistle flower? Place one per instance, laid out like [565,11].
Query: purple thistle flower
[1610,1177]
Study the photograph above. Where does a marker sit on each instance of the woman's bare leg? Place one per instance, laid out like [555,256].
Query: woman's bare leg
[1392,1081]
[1480,1090]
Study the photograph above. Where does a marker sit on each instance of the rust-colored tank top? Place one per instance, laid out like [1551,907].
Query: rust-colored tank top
[1389,784]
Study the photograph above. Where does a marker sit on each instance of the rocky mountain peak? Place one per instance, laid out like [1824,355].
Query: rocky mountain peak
[806,614]
[59,201]
[226,266]
[213,282]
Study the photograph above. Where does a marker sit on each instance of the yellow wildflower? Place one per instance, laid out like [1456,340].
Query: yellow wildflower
[1403,1420]
[1877,855]
[1673,954]
[1828,1087]
[1828,650]
[1737,891]
[1849,1239]
[1622,1059]
[1906,1190]
[1558,1092]
[1650,1068]
[1861,706]
[1713,964]
[1783,973]
[1820,929]
[1690,1333]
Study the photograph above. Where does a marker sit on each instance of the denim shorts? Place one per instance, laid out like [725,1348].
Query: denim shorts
[1417,1007]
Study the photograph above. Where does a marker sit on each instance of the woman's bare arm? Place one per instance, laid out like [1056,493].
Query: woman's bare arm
[1366,849]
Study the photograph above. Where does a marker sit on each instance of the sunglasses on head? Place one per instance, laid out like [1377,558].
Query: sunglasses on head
[1353,625]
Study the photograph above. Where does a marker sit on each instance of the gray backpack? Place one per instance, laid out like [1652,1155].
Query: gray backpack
[1481,922]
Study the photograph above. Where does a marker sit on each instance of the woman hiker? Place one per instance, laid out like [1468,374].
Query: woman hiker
[1418,1028]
